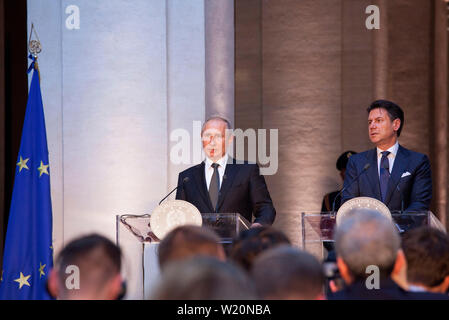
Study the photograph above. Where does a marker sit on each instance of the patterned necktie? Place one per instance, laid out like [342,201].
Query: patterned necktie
[384,174]
[214,185]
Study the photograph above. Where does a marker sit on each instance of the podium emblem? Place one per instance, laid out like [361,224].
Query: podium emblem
[362,203]
[172,214]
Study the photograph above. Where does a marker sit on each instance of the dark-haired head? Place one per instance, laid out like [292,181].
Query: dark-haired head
[393,110]
[91,265]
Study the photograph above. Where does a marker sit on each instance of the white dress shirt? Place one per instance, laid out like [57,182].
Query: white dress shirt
[393,152]
[209,171]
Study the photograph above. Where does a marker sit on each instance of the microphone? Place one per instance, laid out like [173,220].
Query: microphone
[186,179]
[402,196]
[356,178]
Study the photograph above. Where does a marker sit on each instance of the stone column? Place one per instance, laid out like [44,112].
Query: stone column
[380,54]
[219,35]
[440,120]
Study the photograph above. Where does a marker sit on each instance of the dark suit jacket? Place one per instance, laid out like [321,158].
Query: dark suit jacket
[416,188]
[388,290]
[243,191]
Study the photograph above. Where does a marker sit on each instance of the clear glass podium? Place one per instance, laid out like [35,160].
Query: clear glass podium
[139,246]
[317,228]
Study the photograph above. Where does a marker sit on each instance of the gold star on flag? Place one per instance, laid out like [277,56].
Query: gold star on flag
[23,281]
[41,270]
[43,169]
[23,164]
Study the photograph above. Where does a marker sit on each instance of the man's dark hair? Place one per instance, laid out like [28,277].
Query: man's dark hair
[394,111]
[204,278]
[188,241]
[343,159]
[97,257]
[250,243]
[427,253]
[285,272]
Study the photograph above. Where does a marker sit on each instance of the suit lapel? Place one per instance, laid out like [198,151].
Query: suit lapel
[228,179]
[400,163]
[200,180]
[372,173]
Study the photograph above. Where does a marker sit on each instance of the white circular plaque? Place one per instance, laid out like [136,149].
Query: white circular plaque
[363,203]
[172,214]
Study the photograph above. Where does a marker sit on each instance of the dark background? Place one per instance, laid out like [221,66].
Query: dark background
[13,97]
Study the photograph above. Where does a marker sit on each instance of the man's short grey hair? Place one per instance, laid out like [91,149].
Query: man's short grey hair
[228,123]
[366,238]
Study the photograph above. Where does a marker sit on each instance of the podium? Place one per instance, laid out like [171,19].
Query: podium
[139,246]
[317,227]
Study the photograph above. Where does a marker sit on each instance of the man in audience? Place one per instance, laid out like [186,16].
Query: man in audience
[187,241]
[369,257]
[203,278]
[88,268]
[427,253]
[250,243]
[286,273]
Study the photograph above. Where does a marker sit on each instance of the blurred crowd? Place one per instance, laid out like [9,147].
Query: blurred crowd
[372,260]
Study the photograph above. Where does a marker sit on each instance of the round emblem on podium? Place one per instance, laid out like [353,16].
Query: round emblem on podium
[172,214]
[362,203]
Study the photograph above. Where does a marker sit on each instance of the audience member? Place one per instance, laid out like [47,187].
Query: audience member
[250,243]
[427,253]
[287,273]
[369,256]
[187,241]
[88,268]
[203,278]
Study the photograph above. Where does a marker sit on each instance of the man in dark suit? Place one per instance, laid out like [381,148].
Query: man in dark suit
[371,261]
[219,184]
[398,177]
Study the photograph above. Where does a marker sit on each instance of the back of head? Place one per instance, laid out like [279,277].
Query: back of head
[366,238]
[203,278]
[288,273]
[343,159]
[250,243]
[427,253]
[187,241]
[98,261]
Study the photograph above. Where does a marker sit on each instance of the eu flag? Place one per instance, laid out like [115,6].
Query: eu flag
[28,254]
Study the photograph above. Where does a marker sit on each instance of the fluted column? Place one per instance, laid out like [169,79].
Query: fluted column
[440,125]
[380,54]
[219,35]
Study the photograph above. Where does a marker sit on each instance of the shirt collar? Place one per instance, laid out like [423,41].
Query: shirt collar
[222,162]
[393,150]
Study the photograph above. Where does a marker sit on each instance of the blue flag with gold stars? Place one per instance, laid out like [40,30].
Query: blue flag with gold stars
[28,252]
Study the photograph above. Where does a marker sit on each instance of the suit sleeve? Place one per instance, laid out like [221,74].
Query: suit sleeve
[262,204]
[421,193]
[351,187]
[180,193]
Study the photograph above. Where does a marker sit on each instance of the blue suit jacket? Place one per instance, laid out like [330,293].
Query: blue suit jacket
[416,188]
